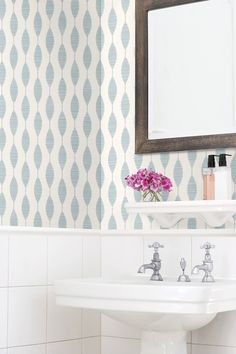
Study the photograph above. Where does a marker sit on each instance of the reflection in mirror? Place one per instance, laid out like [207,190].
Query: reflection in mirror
[185,74]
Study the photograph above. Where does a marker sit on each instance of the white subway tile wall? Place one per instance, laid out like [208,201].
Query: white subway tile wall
[26,315]
[68,347]
[4,351]
[30,321]
[27,260]
[91,345]
[121,255]
[62,323]
[65,258]
[91,325]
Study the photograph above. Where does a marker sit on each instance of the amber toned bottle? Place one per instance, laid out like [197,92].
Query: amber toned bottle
[209,179]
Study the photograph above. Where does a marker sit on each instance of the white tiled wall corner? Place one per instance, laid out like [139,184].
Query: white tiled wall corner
[91,346]
[65,257]
[31,349]
[66,347]
[3,317]
[63,323]
[27,316]
[121,255]
[204,349]
[27,260]
[4,261]
[174,249]
[119,345]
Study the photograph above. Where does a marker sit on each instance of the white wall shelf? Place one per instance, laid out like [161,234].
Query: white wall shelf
[167,214]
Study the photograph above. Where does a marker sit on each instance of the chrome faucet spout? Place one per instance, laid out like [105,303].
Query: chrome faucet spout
[197,268]
[143,267]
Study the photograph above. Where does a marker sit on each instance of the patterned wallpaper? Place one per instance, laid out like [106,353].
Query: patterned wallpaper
[49,113]
[118,159]
[67,117]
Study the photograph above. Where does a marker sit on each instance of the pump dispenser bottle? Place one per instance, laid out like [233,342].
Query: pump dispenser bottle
[223,188]
[209,179]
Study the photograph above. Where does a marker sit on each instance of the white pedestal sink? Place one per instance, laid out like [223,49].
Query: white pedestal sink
[164,311]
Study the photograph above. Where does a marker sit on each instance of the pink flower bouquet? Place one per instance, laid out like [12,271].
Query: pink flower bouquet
[150,183]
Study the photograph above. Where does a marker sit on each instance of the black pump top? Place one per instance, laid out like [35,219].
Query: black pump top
[211,161]
[222,160]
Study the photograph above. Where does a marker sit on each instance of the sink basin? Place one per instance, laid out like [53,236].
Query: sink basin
[164,311]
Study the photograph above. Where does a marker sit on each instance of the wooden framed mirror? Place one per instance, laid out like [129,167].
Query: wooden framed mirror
[185,75]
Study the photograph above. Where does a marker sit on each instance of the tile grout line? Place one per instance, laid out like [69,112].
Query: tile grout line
[50,342]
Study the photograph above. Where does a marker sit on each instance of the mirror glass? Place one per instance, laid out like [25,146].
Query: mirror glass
[191,70]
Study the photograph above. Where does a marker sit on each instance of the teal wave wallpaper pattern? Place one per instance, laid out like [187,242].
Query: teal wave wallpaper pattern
[49,53]
[67,79]
[118,122]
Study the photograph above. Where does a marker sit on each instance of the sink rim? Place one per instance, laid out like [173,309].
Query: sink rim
[137,293]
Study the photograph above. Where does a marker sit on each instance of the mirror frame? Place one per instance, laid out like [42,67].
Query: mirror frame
[144,145]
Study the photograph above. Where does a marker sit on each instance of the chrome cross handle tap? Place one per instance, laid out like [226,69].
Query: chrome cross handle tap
[207,264]
[155,264]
